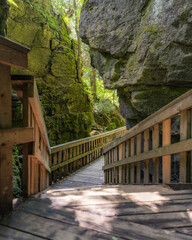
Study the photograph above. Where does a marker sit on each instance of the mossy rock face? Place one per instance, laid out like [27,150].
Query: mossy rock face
[52,60]
[140,43]
[107,115]
[4,12]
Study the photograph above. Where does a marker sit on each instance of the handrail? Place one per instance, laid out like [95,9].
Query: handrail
[181,103]
[69,157]
[127,158]
[36,168]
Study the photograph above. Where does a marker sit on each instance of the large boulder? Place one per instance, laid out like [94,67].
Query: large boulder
[53,61]
[142,48]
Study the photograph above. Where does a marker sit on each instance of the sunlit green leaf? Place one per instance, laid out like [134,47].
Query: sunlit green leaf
[13,2]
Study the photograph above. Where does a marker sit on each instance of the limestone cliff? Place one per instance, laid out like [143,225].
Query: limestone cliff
[52,60]
[141,47]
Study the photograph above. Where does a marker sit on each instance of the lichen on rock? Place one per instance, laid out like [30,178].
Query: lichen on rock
[142,48]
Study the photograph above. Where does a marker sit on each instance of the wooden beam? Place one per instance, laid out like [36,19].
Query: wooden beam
[183,155]
[27,172]
[163,151]
[21,79]
[13,54]
[138,164]
[6,168]
[85,140]
[146,162]
[15,136]
[155,141]
[166,160]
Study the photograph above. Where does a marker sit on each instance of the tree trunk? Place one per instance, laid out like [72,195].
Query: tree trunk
[78,41]
[4,13]
[93,83]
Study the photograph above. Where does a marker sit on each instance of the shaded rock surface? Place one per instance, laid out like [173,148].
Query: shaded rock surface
[52,60]
[4,12]
[142,48]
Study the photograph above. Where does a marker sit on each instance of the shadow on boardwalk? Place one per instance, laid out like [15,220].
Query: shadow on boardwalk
[82,208]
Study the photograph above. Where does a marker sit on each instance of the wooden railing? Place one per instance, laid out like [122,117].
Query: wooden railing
[32,135]
[146,149]
[69,157]
[36,153]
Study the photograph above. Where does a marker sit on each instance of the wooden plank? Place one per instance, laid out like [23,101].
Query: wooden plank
[10,233]
[21,79]
[36,108]
[120,167]
[155,141]
[15,136]
[93,229]
[183,155]
[84,140]
[181,103]
[138,164]
[163,151]
[13,54]
[12,57]
[6,169]
[53,168]
[146,162]
[166,159]
[132,165]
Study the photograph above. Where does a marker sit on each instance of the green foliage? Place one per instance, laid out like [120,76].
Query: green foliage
[13,2]
[17,172]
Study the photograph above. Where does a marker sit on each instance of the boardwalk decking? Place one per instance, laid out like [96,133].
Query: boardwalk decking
[82,208]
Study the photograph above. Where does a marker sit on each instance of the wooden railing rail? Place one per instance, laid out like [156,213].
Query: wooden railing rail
[69,157]
[36,155]
[146,149]
[32,135]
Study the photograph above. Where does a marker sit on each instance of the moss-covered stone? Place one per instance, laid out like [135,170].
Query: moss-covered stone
[4,11]
[67,109]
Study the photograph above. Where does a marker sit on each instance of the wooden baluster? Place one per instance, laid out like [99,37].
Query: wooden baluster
[138,177]
[132,165]
[146,162]
[106,160]
[183,155]
[115,159]
[112,158]
[6,168]
[27,115]
[190,135]
[155,144]
[60,168]
[120,159]
[166,160]
[55,163]
[128,165]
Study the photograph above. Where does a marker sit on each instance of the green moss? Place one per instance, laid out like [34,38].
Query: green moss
[66,106]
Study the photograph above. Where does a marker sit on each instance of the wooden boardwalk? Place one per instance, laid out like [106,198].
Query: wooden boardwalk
[82,208]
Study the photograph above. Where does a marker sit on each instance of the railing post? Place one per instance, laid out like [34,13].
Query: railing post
[138,164]
[166,159]
[120,167]
[146,162]
[155,141]
[183,155]
[6,172]
[128,165]
[132,165]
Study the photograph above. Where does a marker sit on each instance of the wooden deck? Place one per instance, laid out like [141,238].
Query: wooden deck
[82,208]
